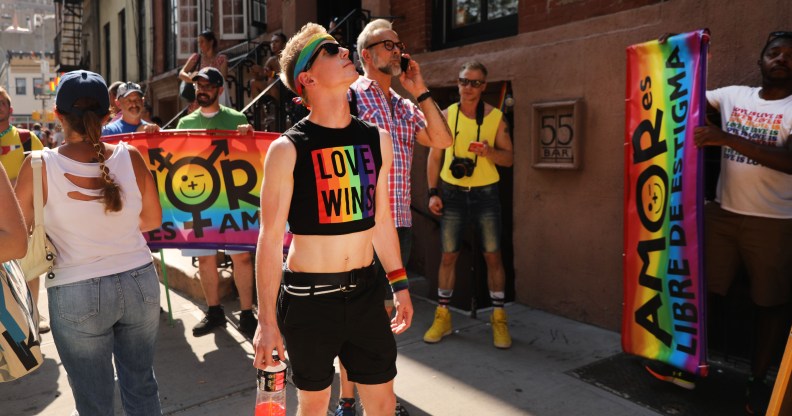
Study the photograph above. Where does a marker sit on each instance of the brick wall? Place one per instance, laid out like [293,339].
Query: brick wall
[542,14]
[414,26]
[414,17]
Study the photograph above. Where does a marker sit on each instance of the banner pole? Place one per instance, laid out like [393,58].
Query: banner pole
[167,288]
[781,400]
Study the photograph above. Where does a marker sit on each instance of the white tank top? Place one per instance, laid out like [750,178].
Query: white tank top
[91,242]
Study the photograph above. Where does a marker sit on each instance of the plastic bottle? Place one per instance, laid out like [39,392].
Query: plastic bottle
[271,391]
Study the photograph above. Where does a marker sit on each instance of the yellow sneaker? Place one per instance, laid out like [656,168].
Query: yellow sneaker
[440,327]
[500,329]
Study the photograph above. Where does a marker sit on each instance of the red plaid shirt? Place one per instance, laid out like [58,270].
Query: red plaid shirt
[402,122]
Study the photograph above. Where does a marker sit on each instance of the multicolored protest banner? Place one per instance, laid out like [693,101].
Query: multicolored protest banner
[209,183]
[664,293]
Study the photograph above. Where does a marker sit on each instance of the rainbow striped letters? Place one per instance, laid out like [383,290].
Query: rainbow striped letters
[663,281]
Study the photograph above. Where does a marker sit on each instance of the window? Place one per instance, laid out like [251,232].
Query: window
[258,13]
[21,86]
[38,86]
[460,22]
[171,25]
[233,24]
[141,40]
[186,26]
[122,40]
[107,50]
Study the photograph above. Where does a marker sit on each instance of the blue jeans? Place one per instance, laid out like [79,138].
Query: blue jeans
[99,320]
[478,205]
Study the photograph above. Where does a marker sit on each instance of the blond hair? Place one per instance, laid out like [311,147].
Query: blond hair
[290,52]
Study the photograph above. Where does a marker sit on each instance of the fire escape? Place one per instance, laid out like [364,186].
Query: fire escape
[68,47]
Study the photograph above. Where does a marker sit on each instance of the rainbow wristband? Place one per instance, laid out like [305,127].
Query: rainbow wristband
[398,280]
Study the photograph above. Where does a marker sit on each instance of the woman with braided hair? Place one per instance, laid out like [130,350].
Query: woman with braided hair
[104,295]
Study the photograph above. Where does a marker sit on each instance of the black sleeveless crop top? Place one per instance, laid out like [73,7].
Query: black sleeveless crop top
[335,178]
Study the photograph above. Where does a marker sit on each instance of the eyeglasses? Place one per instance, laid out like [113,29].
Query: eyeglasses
[389,44]
[775,35]
[475,83]
[329,47]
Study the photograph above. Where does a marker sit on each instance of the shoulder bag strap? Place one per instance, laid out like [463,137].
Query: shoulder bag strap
[24,138]
[38,191]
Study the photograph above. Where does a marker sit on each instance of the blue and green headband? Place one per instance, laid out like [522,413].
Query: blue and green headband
[305,55]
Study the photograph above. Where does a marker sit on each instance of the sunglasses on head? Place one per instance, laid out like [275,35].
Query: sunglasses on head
[329,47]
[389,44]
[475,83]
[775,35]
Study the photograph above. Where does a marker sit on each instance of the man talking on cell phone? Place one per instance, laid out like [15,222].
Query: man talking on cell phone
[468,193]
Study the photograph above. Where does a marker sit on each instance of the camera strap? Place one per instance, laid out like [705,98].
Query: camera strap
[479,122]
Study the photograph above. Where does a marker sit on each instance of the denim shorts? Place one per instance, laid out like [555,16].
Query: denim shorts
[479,206]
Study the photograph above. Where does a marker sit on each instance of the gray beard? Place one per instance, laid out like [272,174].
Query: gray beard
[388,70]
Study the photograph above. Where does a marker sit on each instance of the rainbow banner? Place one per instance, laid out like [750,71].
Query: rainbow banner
[209,183]
[664,293]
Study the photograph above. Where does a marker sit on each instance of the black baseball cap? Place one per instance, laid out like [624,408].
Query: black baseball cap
[213,75]
[79,84]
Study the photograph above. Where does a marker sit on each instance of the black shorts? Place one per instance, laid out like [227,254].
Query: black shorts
[351,325]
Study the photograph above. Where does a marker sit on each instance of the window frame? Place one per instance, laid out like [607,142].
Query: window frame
[258,14]
[189,42]
[445,36]
[227,34]
[23,88]
[40,91]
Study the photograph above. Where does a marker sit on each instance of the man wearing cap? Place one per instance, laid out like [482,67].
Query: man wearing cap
[129,98]
[213,116]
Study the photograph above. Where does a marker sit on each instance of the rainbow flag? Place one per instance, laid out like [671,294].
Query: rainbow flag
[209,182]
[664,293]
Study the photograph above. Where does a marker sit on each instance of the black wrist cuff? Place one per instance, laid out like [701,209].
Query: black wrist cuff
[424,96]
[433,192]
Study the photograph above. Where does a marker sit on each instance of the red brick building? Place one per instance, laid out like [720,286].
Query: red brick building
[564,204]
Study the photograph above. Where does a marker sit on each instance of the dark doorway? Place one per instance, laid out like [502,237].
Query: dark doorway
[335,11]
[470,291]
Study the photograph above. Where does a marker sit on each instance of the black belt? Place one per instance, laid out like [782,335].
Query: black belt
[306,284]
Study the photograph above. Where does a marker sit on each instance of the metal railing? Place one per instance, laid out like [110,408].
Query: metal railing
[265,112]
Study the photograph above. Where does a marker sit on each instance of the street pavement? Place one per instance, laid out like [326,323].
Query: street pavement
[462,375]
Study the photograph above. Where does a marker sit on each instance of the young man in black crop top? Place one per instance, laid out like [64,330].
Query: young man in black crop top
[327,176]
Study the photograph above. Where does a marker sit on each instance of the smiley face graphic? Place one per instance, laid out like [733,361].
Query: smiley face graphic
[193,183]
[652,197]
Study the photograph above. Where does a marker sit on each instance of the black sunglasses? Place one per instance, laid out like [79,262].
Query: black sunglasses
[329,47]
[389,44]
[775,35]
[475,83]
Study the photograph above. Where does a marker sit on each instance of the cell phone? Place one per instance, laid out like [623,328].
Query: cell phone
[405,63]
[475,146]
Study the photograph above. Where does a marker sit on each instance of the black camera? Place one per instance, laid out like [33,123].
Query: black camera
[461,167]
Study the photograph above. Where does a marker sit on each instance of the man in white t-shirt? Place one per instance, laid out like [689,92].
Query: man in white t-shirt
[749,225]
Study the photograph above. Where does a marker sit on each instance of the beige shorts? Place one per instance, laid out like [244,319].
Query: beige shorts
[760,246]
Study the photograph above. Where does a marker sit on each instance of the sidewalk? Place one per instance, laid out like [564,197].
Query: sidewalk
[463,374]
